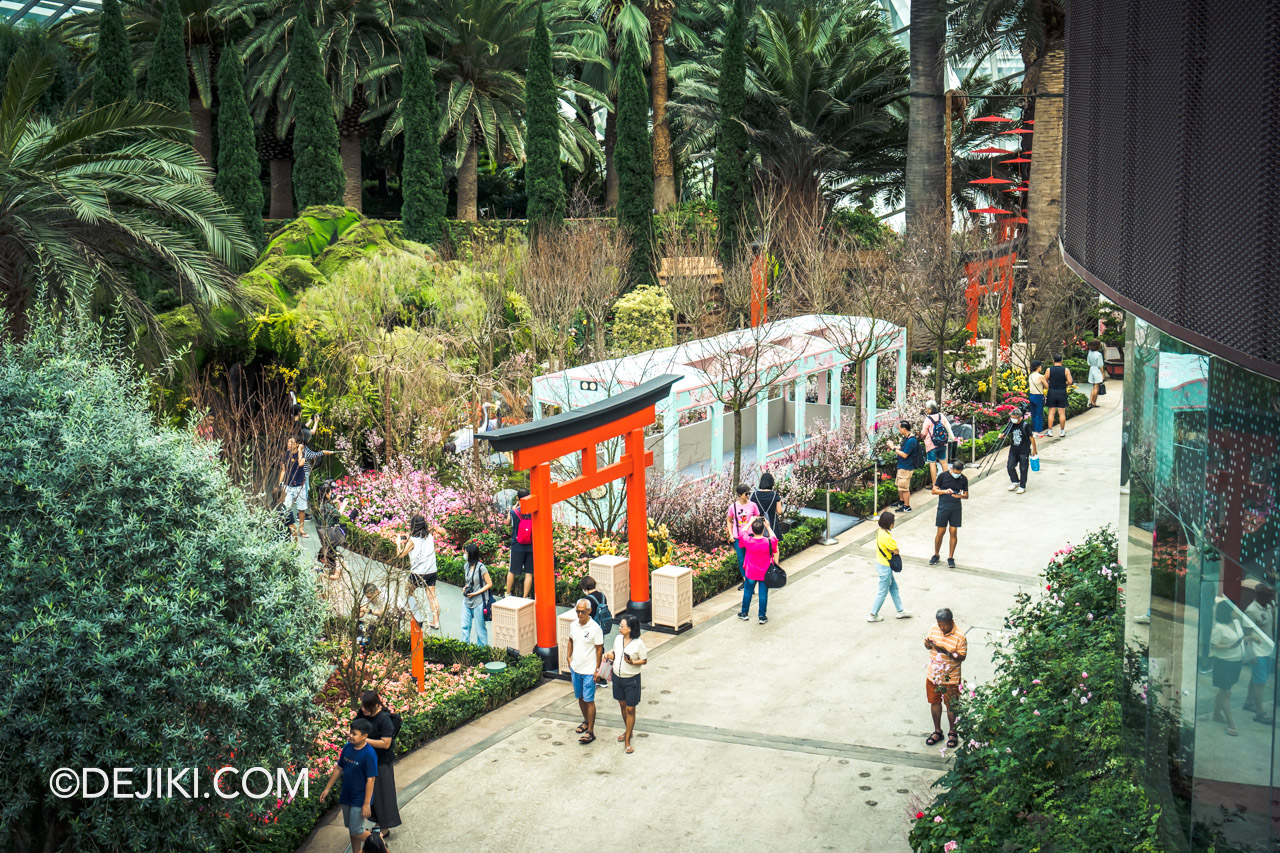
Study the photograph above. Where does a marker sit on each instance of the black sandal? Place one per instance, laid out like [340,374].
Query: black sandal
[582,727]
[589,737]
[952,741]
[933,738]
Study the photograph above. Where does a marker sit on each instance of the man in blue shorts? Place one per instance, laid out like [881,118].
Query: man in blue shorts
[586,650]
[951,487]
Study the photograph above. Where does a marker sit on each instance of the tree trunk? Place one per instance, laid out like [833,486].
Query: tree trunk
[737,447]
[664,176]
[281,189]
[939,369]
[926,169]
[1044,209]
[353,192]
[857,401]
[202,122]
[468,191]
[610,170]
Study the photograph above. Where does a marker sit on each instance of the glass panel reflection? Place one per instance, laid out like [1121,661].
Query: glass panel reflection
[1202,464]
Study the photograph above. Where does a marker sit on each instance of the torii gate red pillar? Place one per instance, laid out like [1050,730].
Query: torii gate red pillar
[534,446]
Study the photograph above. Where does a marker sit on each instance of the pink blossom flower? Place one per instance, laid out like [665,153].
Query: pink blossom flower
[950,845]
[938,819]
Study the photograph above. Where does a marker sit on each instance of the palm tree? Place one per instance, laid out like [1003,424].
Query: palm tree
[1036,29]
[660,13]
[482,46]
[89,196]
[926,154]
[360,46]
[208,25]
[825,92]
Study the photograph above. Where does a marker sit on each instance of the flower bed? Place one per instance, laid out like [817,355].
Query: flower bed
[457,693]
[382,502]
[1042,764]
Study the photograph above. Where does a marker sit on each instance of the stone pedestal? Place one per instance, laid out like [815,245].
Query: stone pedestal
[563,621]
[513,624]
[613,578]
[672,592]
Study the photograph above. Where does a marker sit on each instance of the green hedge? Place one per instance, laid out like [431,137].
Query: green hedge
[296,821]
[1043,764]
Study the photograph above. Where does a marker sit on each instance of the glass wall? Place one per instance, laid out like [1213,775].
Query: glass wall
[1201,461]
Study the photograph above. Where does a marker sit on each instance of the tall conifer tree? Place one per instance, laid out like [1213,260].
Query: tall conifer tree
[634,157]
[732,177]
[167,82]
[238,180]
[113,62]
[317,164]
[422,175]
[543,181]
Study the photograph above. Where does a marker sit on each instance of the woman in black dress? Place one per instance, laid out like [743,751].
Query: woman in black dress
[386,811]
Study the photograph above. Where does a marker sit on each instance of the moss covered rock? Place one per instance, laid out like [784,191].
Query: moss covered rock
[180,329]
[312,232]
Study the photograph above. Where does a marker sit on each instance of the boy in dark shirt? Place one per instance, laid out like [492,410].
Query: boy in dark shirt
[951,487]
[358,767]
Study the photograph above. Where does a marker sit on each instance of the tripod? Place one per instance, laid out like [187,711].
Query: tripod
[986,466]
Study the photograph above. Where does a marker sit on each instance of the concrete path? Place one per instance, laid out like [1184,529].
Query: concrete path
[807,732]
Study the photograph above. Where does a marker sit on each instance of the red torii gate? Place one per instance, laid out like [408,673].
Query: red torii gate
[535,445]
[998,274]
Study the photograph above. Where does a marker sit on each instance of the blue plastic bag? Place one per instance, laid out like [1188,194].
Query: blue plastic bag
[1035,463]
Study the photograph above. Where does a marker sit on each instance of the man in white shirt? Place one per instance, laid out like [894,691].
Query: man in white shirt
[586,650]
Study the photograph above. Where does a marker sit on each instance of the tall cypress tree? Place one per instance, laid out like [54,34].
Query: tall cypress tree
[634,155]
[421,174]
[238,180]
[543,181]
[113,63]
[317,164]
[167,83]
[732,182]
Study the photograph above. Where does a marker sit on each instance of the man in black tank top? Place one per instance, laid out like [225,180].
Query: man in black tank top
[1055,401]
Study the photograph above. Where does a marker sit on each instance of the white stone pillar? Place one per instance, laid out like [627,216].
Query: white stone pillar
[762,427]
[717,436]
[833,383]
[869,393]
[802,386]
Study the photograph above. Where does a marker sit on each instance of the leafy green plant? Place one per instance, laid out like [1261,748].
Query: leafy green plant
[633,155]
[167,72]
[238,182]
[1042,763]
[317,165]
[113,62]
[543,181]
[155,618]
[643,319]
[423,185]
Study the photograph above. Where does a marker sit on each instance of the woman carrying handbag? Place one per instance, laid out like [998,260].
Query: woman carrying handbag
[759,547]
[888,563]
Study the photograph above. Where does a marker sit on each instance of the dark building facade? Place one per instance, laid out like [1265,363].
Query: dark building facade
[1171,208]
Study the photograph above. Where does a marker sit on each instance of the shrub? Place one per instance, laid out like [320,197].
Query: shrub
[422,182]
[237,181]
[155,619]
[644,319]
[318,178]
[1041,764]
[167,72]
[113,62]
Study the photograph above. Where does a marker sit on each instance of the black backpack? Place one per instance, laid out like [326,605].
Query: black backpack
[602,615]
[919,460]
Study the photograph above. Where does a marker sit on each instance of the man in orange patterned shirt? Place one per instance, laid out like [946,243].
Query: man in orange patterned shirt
[947,650]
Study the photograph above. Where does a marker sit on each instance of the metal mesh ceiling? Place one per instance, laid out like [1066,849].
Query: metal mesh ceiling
[1170,179]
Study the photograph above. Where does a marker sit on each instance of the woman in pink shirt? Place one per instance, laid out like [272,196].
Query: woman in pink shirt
[759,550]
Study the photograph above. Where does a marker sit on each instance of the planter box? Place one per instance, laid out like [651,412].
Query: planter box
[672,590]
[612,574]
[513,624]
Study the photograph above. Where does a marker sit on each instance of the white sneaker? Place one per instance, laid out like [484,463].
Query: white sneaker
[875,618]
[1021,490]
[1062,433]
[904,614]
[1013,486]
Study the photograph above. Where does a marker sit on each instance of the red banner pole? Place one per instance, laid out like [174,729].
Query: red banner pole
[544,573]
[638,529]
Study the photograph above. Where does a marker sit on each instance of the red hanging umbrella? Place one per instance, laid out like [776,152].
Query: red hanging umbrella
[1030,121]
[1018,130]
[993,119]
[1016,160]
[994,210]
[992,150]
[1018,220]
[991,180]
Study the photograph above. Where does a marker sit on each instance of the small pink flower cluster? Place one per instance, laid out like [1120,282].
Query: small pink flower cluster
[383,502]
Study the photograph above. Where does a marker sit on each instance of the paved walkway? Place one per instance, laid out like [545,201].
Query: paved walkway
[808,731]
